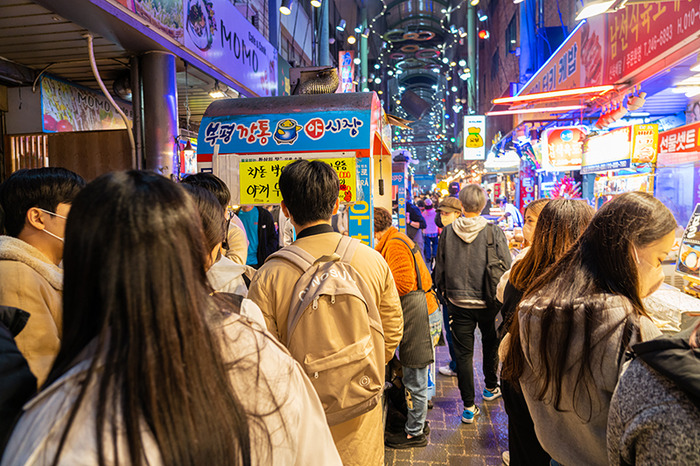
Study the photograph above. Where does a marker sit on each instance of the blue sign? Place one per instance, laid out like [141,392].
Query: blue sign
[285,132]
[361,213]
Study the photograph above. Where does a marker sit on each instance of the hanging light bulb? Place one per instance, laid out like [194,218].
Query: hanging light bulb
[286,7]
[365,33]
[463,62]
[316,3]
[377,66]
[454,89]
[341,25]
[358,29]
[351,40]
[357,60]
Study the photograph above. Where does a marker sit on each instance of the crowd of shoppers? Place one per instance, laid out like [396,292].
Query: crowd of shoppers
[134,328]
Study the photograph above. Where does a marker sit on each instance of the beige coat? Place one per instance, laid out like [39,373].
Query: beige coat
[29,281]
[261,379]
[360,441]
[237,241]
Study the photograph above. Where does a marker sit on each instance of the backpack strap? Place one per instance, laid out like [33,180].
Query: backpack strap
[346,248]
[415,262]
[296,256]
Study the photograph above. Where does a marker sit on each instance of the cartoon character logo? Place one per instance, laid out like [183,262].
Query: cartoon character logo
[474,139]
[287,132]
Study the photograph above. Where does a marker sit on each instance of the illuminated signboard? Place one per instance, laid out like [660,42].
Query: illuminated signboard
[474,133]
[608,151]
[562,148]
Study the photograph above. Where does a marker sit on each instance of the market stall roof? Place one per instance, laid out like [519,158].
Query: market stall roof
[320,103]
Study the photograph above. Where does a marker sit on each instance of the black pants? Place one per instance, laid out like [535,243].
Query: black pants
[523,445]
[463,322]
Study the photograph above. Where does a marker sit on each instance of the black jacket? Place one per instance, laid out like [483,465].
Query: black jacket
[268,241]
[414,215]
[17,383]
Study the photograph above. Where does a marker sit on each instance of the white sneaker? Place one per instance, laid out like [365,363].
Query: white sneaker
[505,457]
[446,371]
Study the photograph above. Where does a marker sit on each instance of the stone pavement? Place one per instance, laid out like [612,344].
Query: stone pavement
[450,442]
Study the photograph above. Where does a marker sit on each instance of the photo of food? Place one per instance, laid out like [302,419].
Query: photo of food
[689,259]
[591,55]
[166,15]
[201,23]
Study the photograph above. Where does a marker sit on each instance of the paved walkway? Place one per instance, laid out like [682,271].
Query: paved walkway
[450,442]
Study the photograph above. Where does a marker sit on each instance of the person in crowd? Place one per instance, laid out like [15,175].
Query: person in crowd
[459,273]
[417,302]
[576,321]
[654,413]
[453,192]
[487,208]
[34,205]
[235,244]
[415,223]
[559,225]
[310,197]
[260,230]
[17,383]
[224,275]
[154,369]
[450,209]
[511,214]
[532,213]
[430,234]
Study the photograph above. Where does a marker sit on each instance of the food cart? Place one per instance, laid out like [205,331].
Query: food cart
[247,142]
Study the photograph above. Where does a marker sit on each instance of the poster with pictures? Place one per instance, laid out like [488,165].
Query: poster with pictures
[689,253]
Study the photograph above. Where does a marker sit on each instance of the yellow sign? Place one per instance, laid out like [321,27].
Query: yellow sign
[259,180]
[645,140]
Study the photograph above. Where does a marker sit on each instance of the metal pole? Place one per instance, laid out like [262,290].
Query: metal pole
[137,105]
[364,86]
[471,52]
[324,46]
[159,110]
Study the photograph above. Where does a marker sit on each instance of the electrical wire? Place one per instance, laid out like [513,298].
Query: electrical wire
[96,73]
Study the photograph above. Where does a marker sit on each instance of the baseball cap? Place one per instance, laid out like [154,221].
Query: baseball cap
[454,187]
[450,204]
[428,202]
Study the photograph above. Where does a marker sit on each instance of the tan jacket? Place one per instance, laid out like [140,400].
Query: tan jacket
[359,440]
[29,281]
[237,241]
[263,379]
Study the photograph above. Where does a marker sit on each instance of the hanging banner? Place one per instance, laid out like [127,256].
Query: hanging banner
[645,142]
[259,179]
[608,151]
[562,148]
[683,139]
[689,252]
[398,180]
[67,107]
[361,213]
[474,132]
[346,70]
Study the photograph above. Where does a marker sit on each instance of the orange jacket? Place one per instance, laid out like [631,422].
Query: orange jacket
[398,256]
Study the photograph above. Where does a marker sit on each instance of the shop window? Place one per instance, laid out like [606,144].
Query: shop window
[512,40]
[495,63]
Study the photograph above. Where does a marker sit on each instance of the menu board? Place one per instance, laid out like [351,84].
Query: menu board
[608,151]
[689,253]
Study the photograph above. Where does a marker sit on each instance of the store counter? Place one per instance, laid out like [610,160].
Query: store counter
[672,310]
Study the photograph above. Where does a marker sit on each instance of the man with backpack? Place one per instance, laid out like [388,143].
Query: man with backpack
[472,256]
[333,303]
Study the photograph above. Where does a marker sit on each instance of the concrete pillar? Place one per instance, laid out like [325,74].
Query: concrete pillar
[159,110]
[324,58]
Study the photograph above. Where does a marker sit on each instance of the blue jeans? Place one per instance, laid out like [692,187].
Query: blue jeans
[415,383]
[430,247]
[448,337]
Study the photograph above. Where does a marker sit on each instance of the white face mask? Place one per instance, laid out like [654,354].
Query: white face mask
[650,277]
[55,215]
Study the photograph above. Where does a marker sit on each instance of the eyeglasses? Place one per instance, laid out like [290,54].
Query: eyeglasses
[52,213]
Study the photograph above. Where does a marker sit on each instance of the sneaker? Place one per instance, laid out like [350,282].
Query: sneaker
[426,428]
[505,457]
[400,441]
[469,413]
[446,371]
[491,394]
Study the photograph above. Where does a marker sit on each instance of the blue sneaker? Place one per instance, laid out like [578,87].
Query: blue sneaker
[469,413]
[492,394]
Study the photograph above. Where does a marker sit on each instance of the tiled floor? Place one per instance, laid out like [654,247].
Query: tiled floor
[450,442]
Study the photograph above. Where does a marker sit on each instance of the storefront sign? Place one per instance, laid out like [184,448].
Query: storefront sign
[645,141]
[641,33]
[259,179]
[346,71]
[165,15]
[578,62]
[66,107]
[562,148]
[689,252]
[608,151]
[399,181]
[474,133]
[293,132]
[361,213]
[683,139]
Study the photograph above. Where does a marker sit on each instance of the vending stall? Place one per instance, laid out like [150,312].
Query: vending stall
[247,142]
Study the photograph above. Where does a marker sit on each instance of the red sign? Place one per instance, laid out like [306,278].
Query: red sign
[682,139]
[315,128]
[640,33]
[563,148]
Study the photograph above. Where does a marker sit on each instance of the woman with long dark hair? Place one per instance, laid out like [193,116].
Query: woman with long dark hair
[577,320]
[559,223]
[153,369]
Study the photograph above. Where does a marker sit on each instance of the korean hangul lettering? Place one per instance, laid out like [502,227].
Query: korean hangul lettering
[634,21]
[571,60]
[660,9]
[212,132]
[645,16]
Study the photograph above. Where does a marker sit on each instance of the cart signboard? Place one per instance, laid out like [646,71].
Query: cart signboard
[689,253]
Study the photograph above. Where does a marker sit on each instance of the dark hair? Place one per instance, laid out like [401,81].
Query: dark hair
[535,207]
[135,285]
[44,188]
[309,190]
[382,219]
[211,183]
[600,262]
[213,222]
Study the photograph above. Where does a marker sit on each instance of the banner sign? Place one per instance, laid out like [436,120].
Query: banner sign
[346,71]
[66,107]
[683,139]
[562,148]
[361,213]
[689,252]
[608,151]
[165,15]
[259,179]
[645,142]
[399,180]
[578,62]
[640,33]
[293,132]
[474,133]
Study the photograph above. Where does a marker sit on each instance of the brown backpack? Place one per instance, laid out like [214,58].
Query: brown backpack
[335,331]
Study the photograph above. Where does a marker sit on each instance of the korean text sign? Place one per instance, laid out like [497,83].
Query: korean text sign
[259,179]
[689,253]
[474,134]
[608,151]
[562,148]
[683,139]
[346,67]
[645,142]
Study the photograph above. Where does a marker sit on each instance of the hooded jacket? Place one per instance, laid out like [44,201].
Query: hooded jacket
[654,414]
[225,276]
[461,260]
[31,282]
